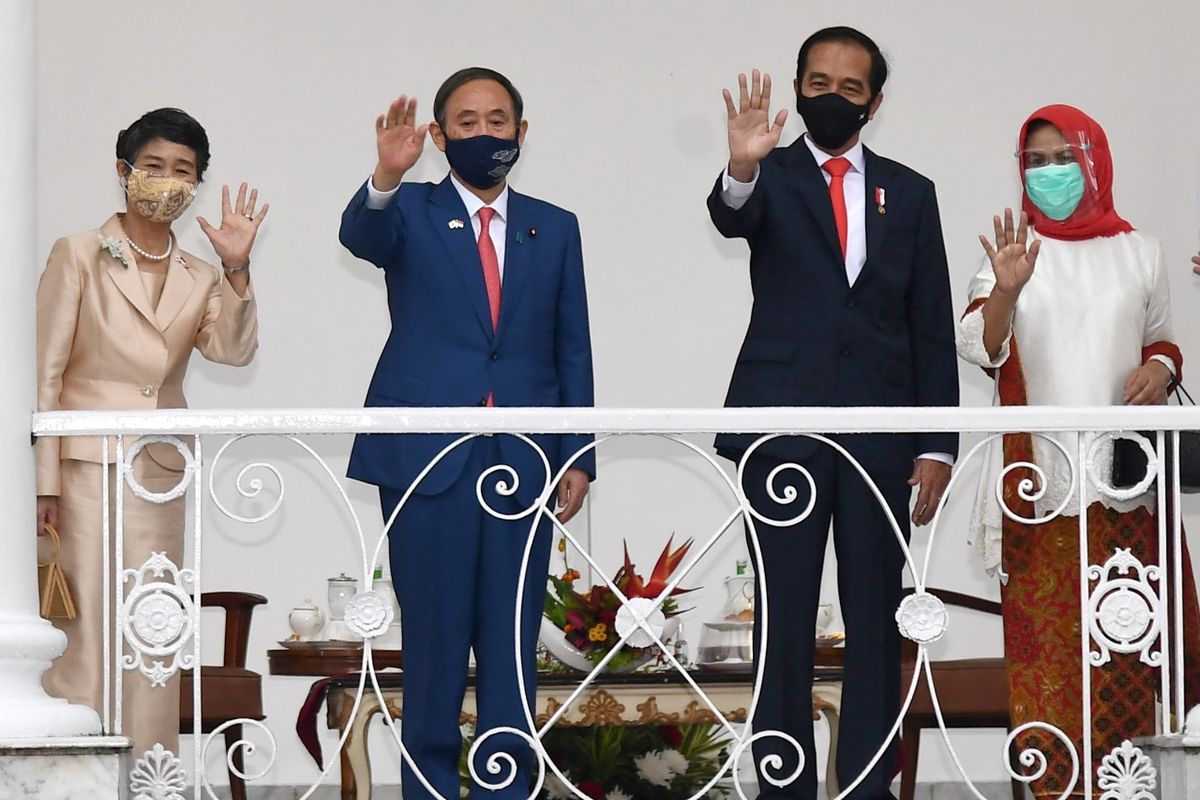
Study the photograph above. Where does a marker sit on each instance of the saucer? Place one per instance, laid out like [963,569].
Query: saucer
[831,639]
[296,644]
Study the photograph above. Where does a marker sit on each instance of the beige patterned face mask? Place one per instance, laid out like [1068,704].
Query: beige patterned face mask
[158,198]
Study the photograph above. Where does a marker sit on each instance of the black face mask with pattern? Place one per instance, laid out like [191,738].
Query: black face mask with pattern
[830,119]
[482,161]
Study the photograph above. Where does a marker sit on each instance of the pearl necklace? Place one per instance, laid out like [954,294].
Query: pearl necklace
[152,256]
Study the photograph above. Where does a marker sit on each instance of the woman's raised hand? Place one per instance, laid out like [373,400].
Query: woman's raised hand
[1012,259]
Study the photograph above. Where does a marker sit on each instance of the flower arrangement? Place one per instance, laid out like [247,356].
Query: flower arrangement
[629,762]
[588,620]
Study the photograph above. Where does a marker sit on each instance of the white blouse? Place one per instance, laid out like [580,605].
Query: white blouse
[1081,323]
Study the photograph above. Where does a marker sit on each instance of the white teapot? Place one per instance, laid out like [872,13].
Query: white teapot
[306,620]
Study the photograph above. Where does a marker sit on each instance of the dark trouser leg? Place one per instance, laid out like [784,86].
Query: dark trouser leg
[870,565]
[790,565]
[434,547]
[497,689]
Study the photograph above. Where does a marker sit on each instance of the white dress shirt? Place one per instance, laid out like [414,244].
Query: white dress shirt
[499,224]
[735,194]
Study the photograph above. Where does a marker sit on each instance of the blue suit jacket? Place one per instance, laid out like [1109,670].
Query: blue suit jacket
[813,340]
[442,350]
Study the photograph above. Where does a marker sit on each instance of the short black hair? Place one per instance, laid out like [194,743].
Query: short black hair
[846,35]
[464,76]
[172,124]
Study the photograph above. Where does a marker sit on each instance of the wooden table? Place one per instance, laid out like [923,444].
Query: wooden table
[328,661]
[632,699]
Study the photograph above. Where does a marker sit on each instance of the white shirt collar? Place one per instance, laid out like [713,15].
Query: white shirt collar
[854,155]
[473,203]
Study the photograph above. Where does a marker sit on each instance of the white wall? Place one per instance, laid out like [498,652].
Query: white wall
[626,129]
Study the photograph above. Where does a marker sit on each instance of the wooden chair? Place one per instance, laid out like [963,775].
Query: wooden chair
[972,693]
[229,691]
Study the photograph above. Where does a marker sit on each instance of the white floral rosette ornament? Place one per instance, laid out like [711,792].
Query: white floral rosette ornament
[922,618]
[369,614]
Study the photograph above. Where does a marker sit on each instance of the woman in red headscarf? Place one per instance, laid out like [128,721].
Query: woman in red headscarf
[1071,308]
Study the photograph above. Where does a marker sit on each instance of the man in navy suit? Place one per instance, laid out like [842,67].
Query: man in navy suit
[851,308]
[486,293]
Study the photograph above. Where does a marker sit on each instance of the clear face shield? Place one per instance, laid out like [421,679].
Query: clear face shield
[1060,172]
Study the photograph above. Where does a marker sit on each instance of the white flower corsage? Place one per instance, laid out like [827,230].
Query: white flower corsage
[114,248]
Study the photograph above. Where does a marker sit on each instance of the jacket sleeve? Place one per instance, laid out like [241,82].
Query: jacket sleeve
[372,234]
[229,329]
[58,301]
[742,223]
[573,348]
[931,326]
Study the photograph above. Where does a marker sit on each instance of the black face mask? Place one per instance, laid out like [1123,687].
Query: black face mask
[831,120]
[482,161]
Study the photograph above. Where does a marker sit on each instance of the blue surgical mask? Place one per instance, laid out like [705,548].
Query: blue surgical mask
[482,161]
[1055,189]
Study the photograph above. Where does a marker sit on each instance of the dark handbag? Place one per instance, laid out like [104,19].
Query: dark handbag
[1129,461]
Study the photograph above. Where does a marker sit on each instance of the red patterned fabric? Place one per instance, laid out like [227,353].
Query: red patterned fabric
[1042,637]
[1041,612]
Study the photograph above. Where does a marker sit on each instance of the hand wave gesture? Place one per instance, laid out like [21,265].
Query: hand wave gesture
[398,140]
[752,135]
[1012,262]
[239,225]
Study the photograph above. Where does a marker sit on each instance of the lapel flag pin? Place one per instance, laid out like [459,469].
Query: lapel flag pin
[455,224]
[880,200]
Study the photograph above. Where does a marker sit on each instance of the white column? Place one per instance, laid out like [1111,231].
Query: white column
[27,642]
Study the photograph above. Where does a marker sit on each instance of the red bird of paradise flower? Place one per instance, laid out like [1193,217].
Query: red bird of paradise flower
[632,585]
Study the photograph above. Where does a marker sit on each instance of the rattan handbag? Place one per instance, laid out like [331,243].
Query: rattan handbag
[55,595]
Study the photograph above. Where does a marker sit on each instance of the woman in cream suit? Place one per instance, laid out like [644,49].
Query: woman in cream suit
[119,311]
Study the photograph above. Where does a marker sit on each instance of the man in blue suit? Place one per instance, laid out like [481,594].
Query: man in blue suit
[486,293]
[851,308]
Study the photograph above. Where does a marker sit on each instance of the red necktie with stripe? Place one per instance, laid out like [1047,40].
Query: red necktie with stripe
[837,169]
[491,270]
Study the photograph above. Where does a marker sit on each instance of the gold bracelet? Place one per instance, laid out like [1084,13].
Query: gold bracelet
[235,269]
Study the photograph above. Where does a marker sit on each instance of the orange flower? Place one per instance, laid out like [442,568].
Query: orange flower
[568,628]
[598,633]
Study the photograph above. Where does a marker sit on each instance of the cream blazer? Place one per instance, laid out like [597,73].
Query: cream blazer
[101,346]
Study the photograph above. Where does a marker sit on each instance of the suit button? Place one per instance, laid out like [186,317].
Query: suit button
[850,302]
[147,391]
[847,352]
[495,356]
[483,401]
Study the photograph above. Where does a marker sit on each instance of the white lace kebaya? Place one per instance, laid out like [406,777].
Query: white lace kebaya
[1080,325]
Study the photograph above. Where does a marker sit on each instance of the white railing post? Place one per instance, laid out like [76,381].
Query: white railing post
[27,642]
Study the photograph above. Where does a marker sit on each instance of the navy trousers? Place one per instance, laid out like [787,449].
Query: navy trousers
[455,567]
[869,563]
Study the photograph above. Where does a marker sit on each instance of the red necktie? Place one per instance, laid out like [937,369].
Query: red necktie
[837,169]
[491,271]
[491,264]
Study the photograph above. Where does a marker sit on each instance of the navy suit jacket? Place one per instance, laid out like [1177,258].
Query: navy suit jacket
[442,350]
[815,340]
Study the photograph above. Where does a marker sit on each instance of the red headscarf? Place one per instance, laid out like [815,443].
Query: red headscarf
[1095,215]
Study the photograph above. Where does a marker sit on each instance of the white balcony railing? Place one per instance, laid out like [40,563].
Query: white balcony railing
[1162,603]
